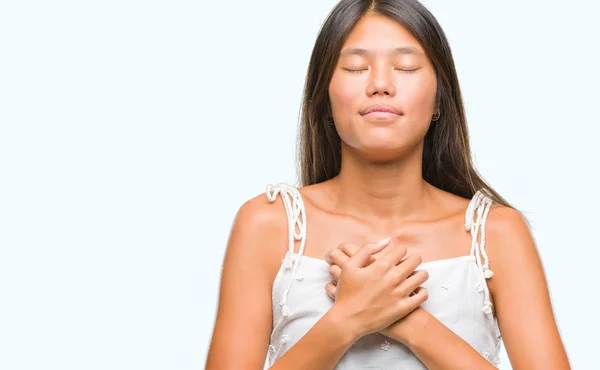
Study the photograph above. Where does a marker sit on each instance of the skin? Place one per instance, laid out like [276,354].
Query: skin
[380,193]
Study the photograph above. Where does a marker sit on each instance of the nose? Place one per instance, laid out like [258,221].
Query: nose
[381,81]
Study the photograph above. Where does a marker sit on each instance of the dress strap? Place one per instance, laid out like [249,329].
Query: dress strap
[475,219]
[296,215]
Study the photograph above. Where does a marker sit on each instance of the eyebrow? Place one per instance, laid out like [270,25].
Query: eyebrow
[365,52]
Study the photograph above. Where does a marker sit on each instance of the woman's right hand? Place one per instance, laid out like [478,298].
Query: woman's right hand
[373,293]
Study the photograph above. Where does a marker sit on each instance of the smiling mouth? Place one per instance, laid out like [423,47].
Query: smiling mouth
[380,109]
[381,115]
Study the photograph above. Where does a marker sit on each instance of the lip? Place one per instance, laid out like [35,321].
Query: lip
[378,108]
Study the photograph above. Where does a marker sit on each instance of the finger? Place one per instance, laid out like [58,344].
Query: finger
[386,251]
[379,246]
[413,282]
[404,269]
[416,299]
[337,257]
[350,250]
[344,247]
[335,271]
[363,255]
[347,248]
[330,289]
[412,261]
[394,254]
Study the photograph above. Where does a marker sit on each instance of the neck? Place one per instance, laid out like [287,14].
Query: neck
[392,191]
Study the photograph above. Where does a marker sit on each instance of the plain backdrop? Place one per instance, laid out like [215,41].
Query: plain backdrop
[132,131]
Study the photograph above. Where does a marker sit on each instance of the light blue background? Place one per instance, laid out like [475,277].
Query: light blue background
[131,132]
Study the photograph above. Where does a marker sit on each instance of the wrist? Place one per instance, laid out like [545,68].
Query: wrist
[344,325]
[412,326]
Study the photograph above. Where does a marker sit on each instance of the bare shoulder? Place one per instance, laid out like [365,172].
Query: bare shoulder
[512,252]
[262,225]
[260,214]
[507,218]
[509,237]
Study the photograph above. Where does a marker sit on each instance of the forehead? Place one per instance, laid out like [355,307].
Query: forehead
[381,34]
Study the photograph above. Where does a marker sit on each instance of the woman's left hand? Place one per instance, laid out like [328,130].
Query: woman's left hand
[396,330]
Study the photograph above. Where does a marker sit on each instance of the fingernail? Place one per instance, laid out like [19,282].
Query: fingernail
[383,242]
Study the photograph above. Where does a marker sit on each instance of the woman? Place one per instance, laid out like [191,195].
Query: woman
[384,156]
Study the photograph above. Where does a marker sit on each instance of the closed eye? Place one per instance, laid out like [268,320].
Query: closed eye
[407,70]
[354,70]
[396,69]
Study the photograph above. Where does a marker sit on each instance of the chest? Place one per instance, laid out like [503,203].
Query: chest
[433,240]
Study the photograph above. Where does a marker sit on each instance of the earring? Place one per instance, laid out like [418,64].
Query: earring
[437,115]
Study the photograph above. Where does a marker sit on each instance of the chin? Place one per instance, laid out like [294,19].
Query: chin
[381,140]
[382,152]
[384,148]
[385,142]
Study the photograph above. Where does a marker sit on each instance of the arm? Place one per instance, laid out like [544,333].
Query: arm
[243,320]
[244,316]
[522,305]
[322,347]
[521,296]
[434,344]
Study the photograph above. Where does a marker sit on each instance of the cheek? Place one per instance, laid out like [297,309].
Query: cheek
[343,93]
[419,98]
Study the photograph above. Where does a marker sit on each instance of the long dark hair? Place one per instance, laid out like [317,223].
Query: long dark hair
[447,162]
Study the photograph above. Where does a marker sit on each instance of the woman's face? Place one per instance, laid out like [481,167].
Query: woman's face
[382,67]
